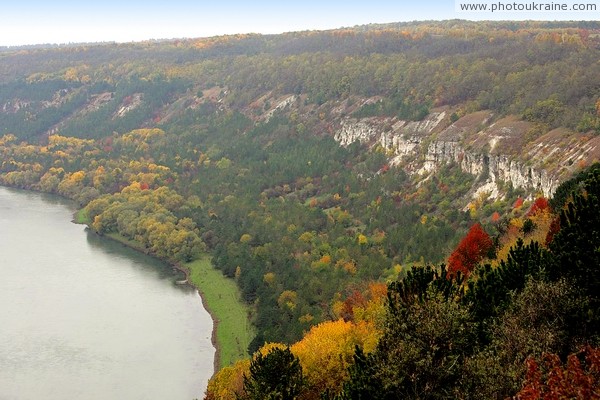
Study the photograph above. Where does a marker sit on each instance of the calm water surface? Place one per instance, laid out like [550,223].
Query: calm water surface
[82,317]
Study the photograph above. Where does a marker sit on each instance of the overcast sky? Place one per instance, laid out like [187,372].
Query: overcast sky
[68,21]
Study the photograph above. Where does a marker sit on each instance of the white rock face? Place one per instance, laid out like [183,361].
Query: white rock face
[500,168]
[407,139]
[351,132]
[280,106]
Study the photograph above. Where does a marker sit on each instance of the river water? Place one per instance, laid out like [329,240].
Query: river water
[83,317]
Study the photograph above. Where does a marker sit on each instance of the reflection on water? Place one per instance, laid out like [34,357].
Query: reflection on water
[149,265]
[85,317]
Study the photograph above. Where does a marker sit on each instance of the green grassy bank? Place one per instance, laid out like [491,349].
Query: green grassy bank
[233,331]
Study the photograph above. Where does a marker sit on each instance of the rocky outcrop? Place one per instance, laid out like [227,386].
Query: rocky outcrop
[130,103]
[499,168]
[282,104]
[356,131]
[403,138]
[498,153]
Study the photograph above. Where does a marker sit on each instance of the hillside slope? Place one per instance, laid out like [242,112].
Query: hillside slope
[307,163]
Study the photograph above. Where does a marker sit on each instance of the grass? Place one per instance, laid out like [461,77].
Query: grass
[81,217]
[222,299]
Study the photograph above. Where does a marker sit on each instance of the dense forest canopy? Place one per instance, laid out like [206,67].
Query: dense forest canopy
[231,145]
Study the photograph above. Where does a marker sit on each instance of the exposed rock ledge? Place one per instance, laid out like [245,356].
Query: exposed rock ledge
[498,152]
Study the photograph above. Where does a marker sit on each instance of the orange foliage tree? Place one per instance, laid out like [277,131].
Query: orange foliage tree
[470,251]
[495,217]
[518,203]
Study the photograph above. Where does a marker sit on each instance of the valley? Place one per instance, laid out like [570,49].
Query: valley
[325,172]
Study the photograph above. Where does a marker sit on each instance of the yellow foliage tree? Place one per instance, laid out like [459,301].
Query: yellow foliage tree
[269,278]
[540,223]
[306,237]
[326,351]
[287,299]
[326,259]
[77,177]
[362,239]
[228,383]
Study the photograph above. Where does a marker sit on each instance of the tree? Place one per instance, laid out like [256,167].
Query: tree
[489,294]
[575,246]
[470,251]
[227,384]
[274,376]
[326,353]
[579,379]
[542,317]
[421,354]
[363,382]
[540,204]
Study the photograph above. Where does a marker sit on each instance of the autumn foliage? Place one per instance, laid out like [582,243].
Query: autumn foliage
[579,379]
[552,230]
[470,251]
[540,204]
[495,217]
[518,203]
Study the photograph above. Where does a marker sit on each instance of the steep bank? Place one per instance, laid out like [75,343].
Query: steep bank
[498,151]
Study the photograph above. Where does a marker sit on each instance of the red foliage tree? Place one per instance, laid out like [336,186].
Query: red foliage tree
[540,204]
[354,300]
[579,379]
[518,203]
[553,230]
[470,251]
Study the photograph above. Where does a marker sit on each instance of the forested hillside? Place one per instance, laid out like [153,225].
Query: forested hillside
[315,167]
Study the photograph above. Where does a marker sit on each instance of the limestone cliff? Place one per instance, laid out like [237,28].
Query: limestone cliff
[497,151]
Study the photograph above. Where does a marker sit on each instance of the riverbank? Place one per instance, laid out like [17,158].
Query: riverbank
[232,331]
[81,309]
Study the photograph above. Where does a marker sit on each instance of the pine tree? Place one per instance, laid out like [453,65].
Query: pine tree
[274,376]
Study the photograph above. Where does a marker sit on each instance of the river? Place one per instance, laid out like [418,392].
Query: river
[83,317]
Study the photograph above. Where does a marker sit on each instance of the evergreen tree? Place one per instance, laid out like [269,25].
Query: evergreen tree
[274,376]
[489,293]
[363,383]
[576,248]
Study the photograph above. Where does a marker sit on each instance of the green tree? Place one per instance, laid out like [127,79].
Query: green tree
[489,293]
[543,317]
[427,337]
[364,382]
[274,376]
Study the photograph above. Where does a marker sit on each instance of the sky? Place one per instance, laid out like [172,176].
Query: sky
[26,22]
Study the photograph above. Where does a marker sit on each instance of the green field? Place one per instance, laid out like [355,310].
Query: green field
[221,297]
